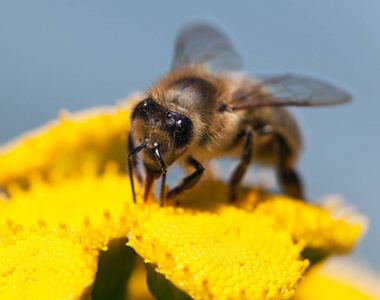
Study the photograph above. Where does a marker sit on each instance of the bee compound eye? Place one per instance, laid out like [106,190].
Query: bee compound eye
[184,131]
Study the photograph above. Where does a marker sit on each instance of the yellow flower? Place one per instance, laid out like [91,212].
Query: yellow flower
[90,206]
[320,230]
[73,171]
[334,280]
[214,256]
[95,135]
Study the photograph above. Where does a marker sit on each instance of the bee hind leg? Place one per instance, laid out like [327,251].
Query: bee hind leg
[289,179]
[189,181]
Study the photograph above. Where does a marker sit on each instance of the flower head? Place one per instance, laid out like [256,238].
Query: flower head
[75,184]
[231,254]
[41,264]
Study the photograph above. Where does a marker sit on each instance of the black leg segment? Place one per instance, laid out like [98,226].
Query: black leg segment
[288,177]
[243,165]
[130,167]
[189,181]
[163,179]
[131,147]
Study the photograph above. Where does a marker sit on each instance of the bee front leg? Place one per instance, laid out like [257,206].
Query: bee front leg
[132,162]
[288,177]
[189,181]
[131,148]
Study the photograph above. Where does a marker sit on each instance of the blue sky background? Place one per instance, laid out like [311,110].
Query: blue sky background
[78,54]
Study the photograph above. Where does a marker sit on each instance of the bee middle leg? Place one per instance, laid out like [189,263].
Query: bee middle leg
[246,158]
[189,181]
[241,169]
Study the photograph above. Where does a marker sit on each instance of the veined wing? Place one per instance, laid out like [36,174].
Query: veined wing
[288,90]
[204,44]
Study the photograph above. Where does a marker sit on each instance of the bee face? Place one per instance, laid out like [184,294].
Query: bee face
[160,129]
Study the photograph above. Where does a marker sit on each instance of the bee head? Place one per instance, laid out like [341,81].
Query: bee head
[160,129]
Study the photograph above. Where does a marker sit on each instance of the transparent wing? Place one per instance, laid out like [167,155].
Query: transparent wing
[203,43]
[288,90]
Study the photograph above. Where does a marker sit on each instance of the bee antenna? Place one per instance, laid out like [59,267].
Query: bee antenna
[130,167]
[163,179]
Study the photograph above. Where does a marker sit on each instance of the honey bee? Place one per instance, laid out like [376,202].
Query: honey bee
[205,108]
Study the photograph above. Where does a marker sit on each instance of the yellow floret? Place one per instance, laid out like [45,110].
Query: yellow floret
[231,254]
[45,265]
